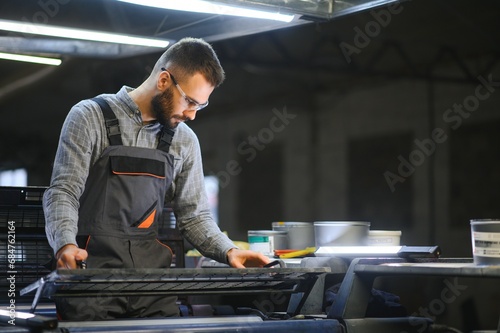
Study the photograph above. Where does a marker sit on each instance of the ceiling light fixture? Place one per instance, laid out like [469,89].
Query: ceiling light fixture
[47,30]
[33,59]
[199,6]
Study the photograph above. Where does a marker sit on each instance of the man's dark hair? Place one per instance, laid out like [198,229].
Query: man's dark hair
[190,56]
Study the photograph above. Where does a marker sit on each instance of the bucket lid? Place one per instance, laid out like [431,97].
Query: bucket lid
[291,224]
[485,221]
[362,223]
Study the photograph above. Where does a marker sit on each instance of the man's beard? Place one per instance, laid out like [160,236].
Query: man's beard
[163,108]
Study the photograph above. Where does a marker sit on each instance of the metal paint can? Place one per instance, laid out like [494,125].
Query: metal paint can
[300,234]
[341,233]
[266,241]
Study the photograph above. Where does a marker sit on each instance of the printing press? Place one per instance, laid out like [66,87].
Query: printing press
[325,292]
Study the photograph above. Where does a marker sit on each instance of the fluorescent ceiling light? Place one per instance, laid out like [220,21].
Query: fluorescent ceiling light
[47,30]
[26,58]
[199,6]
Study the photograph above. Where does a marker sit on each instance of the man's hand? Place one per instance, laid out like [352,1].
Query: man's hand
[244,258]
[68,255]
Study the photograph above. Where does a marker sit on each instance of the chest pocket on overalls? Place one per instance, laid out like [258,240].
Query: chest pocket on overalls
[139,181]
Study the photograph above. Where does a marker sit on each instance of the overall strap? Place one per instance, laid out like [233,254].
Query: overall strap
[166,137]
[112,126]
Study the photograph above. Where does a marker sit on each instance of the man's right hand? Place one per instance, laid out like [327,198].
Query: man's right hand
[68,255]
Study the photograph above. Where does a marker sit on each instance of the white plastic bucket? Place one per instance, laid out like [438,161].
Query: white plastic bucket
[384,237]
[485,241]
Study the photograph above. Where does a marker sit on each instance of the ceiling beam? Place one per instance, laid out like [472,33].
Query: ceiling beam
[71,47]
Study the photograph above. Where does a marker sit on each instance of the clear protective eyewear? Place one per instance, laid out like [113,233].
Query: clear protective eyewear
[192,104]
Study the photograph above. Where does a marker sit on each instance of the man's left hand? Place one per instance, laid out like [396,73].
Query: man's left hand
[238,258]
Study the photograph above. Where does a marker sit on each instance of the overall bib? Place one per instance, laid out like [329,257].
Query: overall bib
[118,223]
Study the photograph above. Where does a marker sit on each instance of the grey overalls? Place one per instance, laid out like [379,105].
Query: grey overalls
[118,222]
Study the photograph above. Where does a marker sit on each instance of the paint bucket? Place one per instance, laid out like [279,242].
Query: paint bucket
[300,234]
[485,241]
[384,237]
[341,233]
[266,241]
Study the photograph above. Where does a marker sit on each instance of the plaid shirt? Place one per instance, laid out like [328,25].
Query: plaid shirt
[83,139]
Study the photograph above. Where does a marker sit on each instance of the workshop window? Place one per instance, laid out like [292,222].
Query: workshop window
[17,177]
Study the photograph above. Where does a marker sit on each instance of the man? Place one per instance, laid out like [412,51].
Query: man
[120,156]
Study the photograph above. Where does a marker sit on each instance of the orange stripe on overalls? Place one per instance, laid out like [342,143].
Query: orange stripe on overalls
[148,221]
